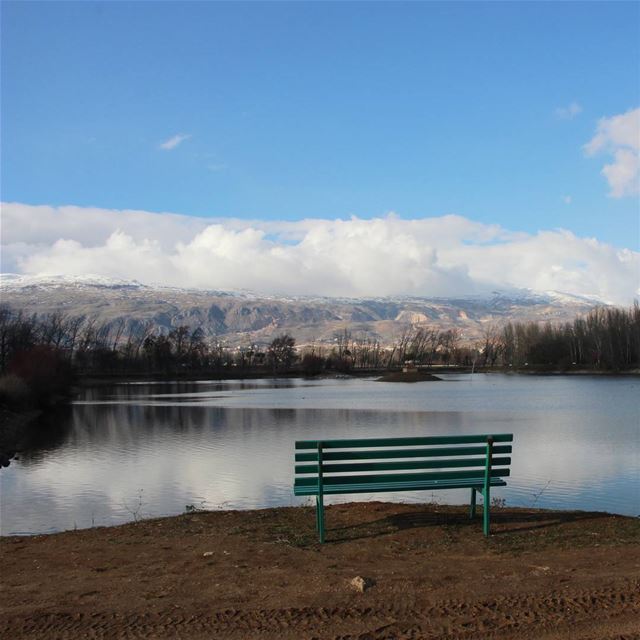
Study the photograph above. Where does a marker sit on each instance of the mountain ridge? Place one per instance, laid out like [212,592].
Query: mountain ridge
[241,317]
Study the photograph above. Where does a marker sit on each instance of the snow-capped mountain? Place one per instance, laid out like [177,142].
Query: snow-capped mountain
[241,317]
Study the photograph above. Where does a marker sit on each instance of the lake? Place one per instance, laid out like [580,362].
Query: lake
[149,449]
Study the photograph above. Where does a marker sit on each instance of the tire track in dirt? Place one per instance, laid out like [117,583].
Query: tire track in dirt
[457,619]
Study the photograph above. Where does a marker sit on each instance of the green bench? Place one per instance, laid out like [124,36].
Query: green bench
[330,467]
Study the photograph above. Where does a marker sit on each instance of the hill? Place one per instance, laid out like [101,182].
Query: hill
[243,317]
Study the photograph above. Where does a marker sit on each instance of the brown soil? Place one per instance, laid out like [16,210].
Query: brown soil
[428,573]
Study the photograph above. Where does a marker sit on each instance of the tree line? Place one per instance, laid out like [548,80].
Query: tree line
[605,339]
[44,350]
[134,346]
[90,346]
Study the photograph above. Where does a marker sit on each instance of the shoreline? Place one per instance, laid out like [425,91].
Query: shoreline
[89,380]
[14,432]
[426,571]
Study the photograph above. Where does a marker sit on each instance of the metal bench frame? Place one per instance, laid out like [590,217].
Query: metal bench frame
[337,467]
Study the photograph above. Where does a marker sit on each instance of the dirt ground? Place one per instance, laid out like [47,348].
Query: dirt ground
[261,574]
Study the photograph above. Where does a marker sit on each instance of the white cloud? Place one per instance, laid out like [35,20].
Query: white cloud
[443,256]
[174,141]
[619,136]
[569,112]
[623,174]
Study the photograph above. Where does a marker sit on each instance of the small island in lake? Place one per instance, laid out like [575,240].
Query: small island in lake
[409,373]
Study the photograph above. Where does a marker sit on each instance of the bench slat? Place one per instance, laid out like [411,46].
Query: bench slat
[401,453]
[401,464]
[477,483]
[402,442]
[396,477]
[337,467]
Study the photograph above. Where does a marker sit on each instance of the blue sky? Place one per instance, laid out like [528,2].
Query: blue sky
[322,110]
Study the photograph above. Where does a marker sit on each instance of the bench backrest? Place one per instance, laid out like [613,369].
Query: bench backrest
[368,460]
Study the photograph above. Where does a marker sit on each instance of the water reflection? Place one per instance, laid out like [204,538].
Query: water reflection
[576,440]
[182,391]
[45,434]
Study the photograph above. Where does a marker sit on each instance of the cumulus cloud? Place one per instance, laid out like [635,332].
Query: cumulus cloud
[619,136]
[174,141]
[569,112]
[440,256]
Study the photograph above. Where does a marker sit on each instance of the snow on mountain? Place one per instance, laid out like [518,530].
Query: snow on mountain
[20,281]
[242,316]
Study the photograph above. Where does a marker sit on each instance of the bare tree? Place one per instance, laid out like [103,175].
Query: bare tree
[281,352]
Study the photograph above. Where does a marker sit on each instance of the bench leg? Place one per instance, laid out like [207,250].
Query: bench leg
[472,506]
[320,517]
[485,511]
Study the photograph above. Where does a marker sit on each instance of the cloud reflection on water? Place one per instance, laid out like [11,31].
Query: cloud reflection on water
[234,446]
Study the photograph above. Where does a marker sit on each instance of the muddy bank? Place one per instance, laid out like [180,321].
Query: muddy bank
[427,573]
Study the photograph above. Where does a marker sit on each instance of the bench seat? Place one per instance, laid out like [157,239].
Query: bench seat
[424,485]
[332,467]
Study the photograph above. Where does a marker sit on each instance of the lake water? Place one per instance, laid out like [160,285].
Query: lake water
[151,449]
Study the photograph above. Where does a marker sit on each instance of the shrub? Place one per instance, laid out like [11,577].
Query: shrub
[312,364]
[14,392]
[45,372]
